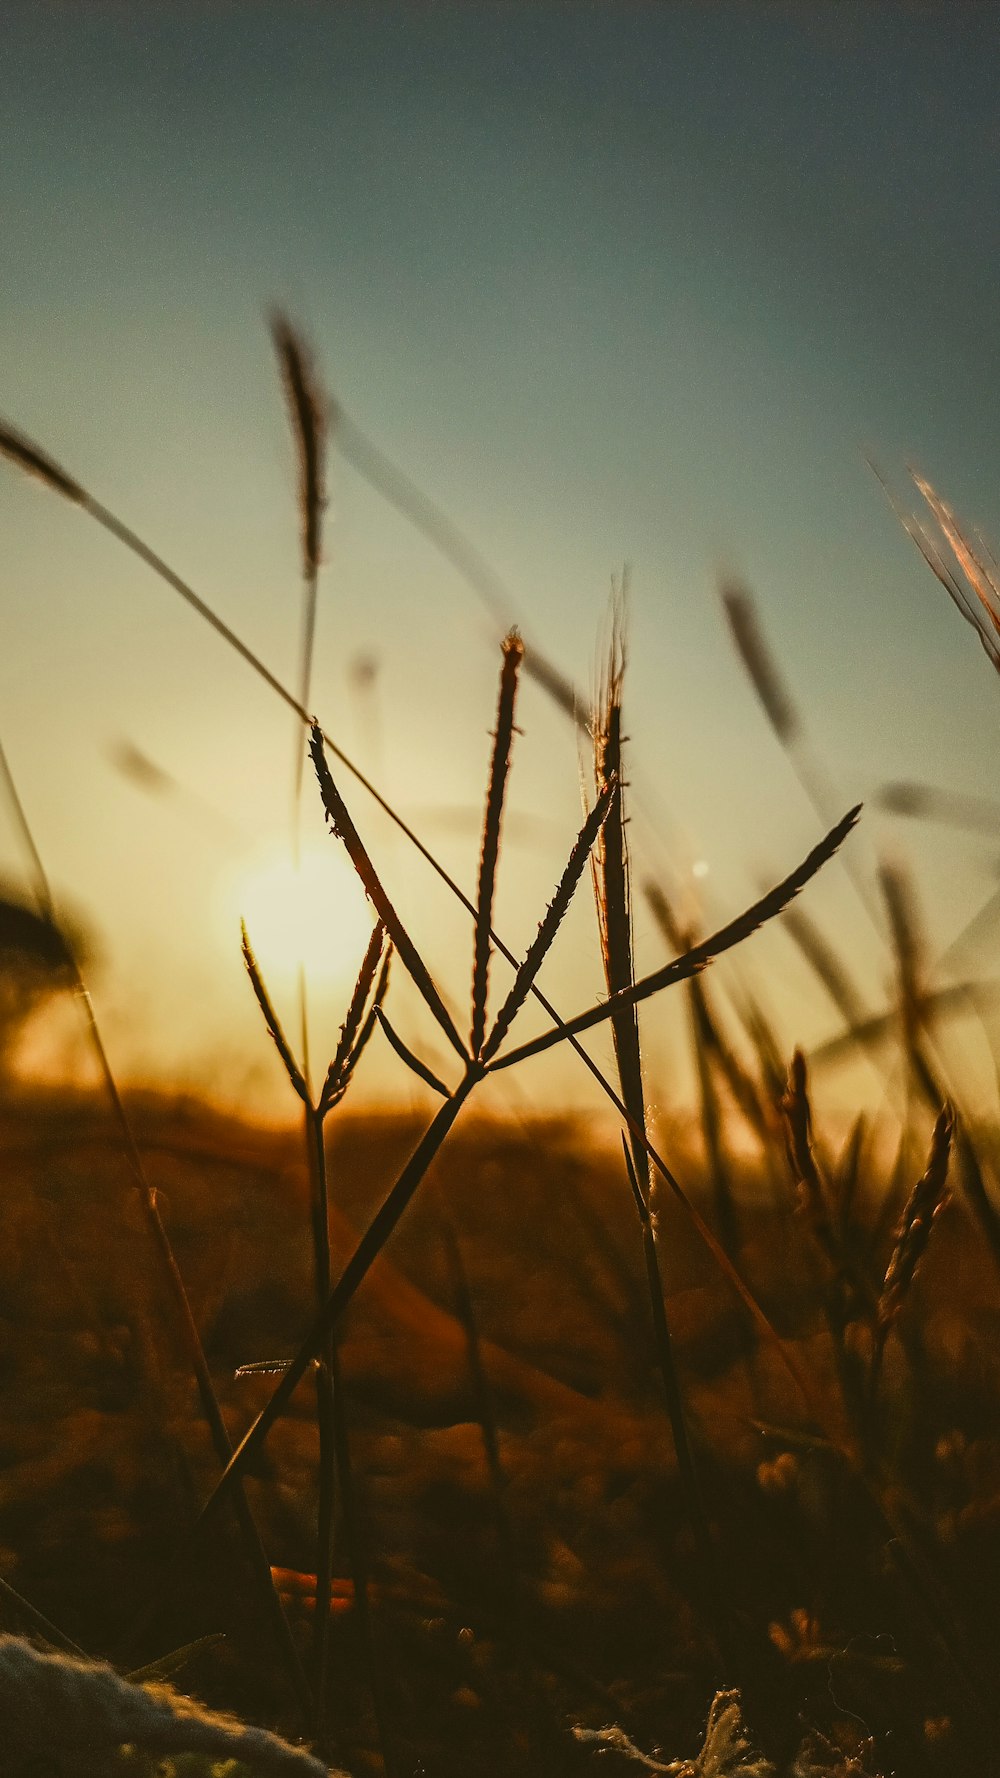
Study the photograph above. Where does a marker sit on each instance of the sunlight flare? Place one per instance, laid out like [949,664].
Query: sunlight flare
[312,915]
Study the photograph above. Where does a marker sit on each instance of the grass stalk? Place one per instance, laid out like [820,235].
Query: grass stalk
[700,955]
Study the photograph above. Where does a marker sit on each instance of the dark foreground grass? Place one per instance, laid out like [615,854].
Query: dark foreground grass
[106,1457]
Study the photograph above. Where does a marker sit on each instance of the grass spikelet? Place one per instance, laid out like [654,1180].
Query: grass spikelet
[551,921]
[307,409]
[811,1193]
[405,1054]
[924,1205]
[513,653]
[344,829]
[352,1039]
[34,461]
[612,880]
[762,668]
[271,1020]
[982,608]
[701,954]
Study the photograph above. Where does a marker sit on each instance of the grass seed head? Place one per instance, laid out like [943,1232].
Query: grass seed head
[924,1205]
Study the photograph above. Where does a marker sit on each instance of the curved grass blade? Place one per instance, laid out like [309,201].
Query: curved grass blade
[489,857]
[550,924]
[702,954]
[406,1055]
[344,829]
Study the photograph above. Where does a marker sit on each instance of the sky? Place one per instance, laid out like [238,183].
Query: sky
[612,284]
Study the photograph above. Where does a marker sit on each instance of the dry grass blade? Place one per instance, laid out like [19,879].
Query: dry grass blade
[760,664]
[406,1055]
[551,921]
[489,857]
[925,1203]
[36,462]
[702,954]
[344,829]
[271,1020]
[307,409]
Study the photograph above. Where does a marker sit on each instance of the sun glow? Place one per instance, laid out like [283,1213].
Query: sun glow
[313,916]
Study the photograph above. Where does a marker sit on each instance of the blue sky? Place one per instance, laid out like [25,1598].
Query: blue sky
[612,283]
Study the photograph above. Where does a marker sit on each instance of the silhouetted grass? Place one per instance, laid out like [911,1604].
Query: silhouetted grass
[525,1549]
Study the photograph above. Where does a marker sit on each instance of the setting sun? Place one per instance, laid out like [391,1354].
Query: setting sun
[314,914]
